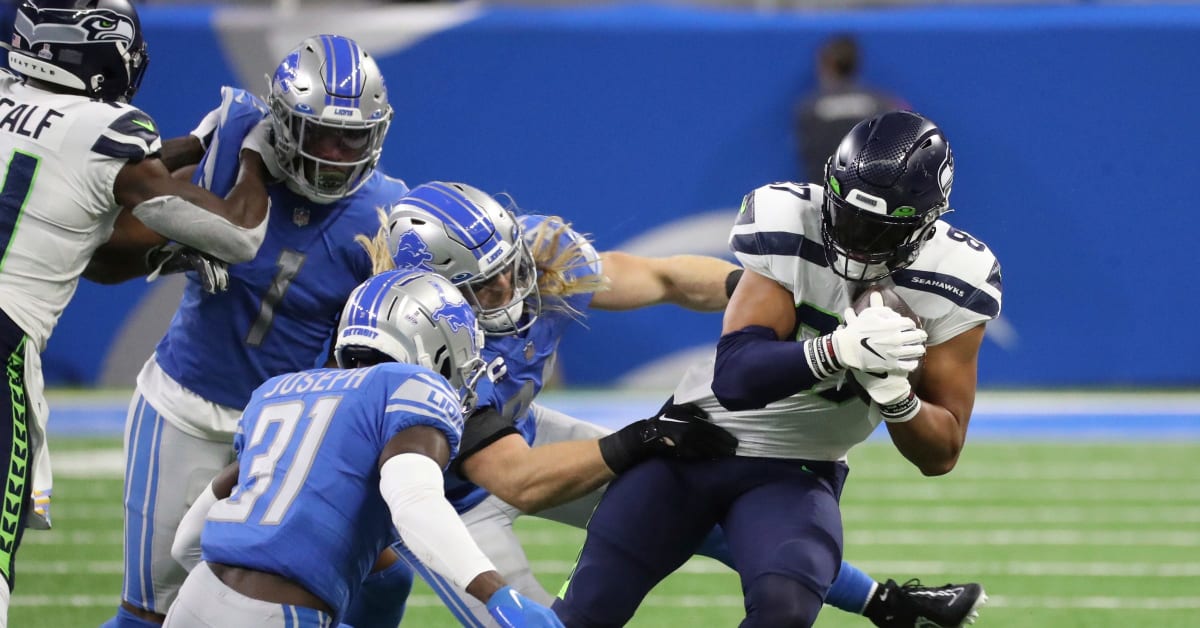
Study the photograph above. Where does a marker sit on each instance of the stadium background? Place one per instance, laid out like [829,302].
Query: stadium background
[645,124]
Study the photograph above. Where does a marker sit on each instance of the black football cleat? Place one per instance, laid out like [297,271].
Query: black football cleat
[911,605]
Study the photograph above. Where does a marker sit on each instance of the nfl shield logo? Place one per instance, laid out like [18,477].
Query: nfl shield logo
[300,216]
[529,350]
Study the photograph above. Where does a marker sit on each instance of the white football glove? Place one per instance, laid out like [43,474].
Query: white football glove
[260,140]
[891,394]
[878,340]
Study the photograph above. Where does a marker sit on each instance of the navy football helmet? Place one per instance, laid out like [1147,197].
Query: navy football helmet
[466,236]
[885,186]
[94,47]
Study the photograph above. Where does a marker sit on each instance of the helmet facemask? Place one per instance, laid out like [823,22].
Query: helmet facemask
[326,160]
[502,298]
[863,245]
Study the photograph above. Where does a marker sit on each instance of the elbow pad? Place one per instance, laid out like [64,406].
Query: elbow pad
[413,488]
[190,224]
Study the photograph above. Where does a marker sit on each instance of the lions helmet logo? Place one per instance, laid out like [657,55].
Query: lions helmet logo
[412,252]
[457,315]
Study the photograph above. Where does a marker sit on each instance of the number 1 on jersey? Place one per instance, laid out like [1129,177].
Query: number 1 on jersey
[289,264]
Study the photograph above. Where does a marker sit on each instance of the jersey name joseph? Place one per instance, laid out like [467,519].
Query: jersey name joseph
[953,286]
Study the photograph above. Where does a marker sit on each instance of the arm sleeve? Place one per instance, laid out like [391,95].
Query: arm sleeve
[754,368]
[186,548]
[411,484]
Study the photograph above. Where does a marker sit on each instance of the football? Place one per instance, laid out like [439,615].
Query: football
[892,300]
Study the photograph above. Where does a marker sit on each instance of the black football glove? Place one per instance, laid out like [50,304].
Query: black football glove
[172,257]
[682,431]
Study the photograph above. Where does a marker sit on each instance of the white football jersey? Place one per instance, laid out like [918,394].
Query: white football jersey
[60,155]
[953,285]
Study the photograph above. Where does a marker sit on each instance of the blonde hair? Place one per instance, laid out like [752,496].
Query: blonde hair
[556,264]
[377,247]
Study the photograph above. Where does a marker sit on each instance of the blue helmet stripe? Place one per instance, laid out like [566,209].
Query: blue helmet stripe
[467,221]
[330,62]
[368,301]
[341,71]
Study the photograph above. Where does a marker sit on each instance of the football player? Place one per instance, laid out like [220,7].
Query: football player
[328,114]
[75,155]
[529,279]
[784,383]
[326,455]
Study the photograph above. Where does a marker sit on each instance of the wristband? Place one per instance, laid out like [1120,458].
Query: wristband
[901,411]
[822,360]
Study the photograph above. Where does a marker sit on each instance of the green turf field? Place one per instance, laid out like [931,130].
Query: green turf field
[1086,535]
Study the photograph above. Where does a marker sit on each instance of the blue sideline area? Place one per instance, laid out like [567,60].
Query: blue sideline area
[1034,416]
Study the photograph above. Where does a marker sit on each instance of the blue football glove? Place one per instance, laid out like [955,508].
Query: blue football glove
[222,132]
[513,610]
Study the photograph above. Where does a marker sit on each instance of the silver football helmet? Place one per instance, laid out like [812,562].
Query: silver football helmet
[415,317]
[330,115]
[463,234]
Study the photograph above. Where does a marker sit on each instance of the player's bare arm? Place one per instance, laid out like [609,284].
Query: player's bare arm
[536,478]
[934,438]
[178,152]
[760,301]
[229,229]
[696,282]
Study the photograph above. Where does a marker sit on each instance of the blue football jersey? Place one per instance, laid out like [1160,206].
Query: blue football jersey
[528,357]
[280,310]
[307,504]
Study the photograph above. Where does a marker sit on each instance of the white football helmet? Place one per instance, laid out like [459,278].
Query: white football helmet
[415,317]
[330,115]
[463,234]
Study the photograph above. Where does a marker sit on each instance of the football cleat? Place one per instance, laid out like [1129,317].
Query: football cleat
[911,605]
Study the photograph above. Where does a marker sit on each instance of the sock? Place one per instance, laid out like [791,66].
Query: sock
[5,594]
[714,546]
[851,590]
[380,602]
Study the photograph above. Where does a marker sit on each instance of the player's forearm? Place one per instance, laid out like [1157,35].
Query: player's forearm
[549,475]
[178,152]
[697,282]
[754,368]
[932,440]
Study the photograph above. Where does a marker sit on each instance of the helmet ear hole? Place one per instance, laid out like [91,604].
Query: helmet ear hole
[441,363]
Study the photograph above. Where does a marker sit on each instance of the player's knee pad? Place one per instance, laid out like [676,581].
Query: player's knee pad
[381,601]
[775,601]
